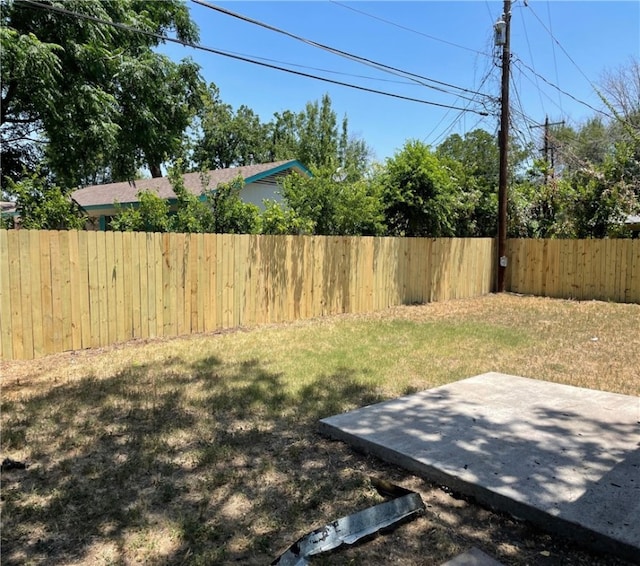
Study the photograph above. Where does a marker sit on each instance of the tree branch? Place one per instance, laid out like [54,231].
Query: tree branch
[19,121]
[6,99]
[24,138]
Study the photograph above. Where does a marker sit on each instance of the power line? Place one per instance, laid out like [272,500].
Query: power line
[341,53]
[457,117]
[535,85]
[241,58]
[519,101]
[366,77]
[486,75]
[560,46]
[400,26]
[527,120]
[521,62]
[526,35]
[491,17]
[553,50]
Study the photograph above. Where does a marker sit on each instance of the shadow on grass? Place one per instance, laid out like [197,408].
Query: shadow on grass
[174,463]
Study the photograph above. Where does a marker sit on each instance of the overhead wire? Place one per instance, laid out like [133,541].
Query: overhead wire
[535,86]
[489,69]
[455,121]
[517,61]
[526,35]
[553,50]
[486,75]
[491,16]
[324,70]
[370,62]
[406,28]
[521,112]
[192,45]
[561,47]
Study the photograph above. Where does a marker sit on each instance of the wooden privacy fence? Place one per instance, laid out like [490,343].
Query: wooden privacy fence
[606,270]
[71,290]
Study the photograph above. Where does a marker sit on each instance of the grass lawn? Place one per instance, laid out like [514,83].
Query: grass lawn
[203,450]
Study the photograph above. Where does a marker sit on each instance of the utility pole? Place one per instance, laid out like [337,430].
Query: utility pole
[503,143]
[547,148]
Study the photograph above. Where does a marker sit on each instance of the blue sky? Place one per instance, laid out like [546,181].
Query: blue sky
[597,36]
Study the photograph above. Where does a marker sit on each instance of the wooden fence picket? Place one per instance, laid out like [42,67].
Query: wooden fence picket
[70,290]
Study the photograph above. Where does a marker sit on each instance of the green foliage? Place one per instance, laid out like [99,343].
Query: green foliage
[220,211]
[234,138]
[420,197]
[606,195]
[318,134]
[312,137]
[92,98]
[6,221]
[192,214]
[29,69]
[473,163]
[231,215]
[331,207]
[279,220]
[151,215]
[41,206]
[229,138]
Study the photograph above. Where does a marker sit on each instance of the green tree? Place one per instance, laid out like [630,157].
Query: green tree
[279,219]
[42,206]
[540,210]
[604,196]
[473,162]
[231,215]
[597,180]
[284,137]
[330,205]
[229,138]
[92,98]
[575,147]
[419,195]
[312,136]
[192,213]
[150,215]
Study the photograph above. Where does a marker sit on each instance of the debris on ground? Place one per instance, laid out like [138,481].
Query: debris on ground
[9,464]
[405,505]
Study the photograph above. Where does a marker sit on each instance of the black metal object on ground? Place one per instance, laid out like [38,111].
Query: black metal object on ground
[405,504]
[9,464]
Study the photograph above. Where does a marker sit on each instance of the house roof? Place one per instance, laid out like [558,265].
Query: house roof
[7,206]
[633,221]
[127,192]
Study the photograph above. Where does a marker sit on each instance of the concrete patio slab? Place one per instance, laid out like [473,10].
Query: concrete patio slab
[564,458]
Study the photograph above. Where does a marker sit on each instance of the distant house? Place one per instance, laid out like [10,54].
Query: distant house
[261,182]
[8,211]
[633,223]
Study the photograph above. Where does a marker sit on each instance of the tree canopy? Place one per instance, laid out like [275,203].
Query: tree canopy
[228,137]
[89,100]
[419,193]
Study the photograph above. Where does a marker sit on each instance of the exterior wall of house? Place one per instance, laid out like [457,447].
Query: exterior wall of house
[257,192]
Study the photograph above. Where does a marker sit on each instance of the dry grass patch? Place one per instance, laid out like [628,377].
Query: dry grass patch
[203,450]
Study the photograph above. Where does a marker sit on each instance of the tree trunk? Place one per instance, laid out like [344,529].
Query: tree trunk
[155,169]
